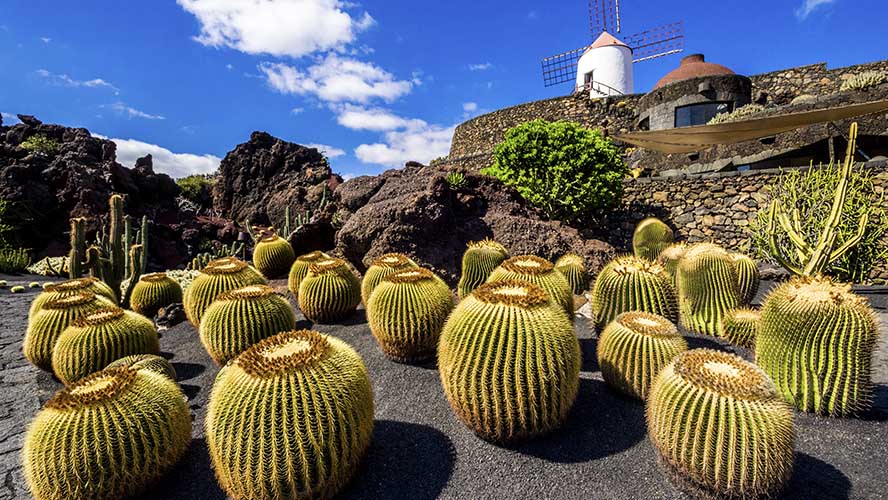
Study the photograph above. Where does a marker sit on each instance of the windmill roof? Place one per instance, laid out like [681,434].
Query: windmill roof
[605,40]
[693,66]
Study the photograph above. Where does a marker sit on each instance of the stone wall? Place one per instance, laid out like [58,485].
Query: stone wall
[782,86]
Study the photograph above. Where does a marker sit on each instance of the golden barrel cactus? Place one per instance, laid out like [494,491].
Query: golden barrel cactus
[747,277]
[708,287]
[740,327]
[478,261]
[217,277]
[631,284]
[382,267]
[70,287]
[299,270]
[273,255]
[670,257]
[329,292]
[51,320]
[154,291]
[573,267]
[540,272]
[151,362]
[651,236]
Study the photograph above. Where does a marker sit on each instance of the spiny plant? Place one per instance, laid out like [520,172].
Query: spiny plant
[478,261]
[109,435]
[651,236]
[740,327]
[406,313]
[329,292]
[745,112]
[319,387]
[203,258]
[816,340]
[151,362]
[300,269]
[14,260]
[719,426]
[864,80]
[456,180]
[98,338]
[670,257]
[242,317]
[51,320]
[708,287]
[634,347]
[154,291]
[218,277]
[629,283]
[573,267]
[540,272]
[748,276]
[509,361]
[70,287]
[273,255]
[17,289]
[381,268]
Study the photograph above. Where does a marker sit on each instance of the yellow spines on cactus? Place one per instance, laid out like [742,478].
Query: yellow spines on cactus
[406,313]
[740,327]
[651,236]
[708,287]
[242,317]
[816,339]
[382,267]
[670,257]
[634,347]
[631,284]
[151,362]
[70,287]
[290,417]
[573,267]
[154,291]
[219,276]
[478,261]
[51,319]
[747,277]
[540,272]
[509,361]
[299,270]
[98,338]
[109,435]
[273,256]
[329,292]
[720,427]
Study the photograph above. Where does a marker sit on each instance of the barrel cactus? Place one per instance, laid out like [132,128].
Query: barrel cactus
[242,317]
[382,267]
[329,292]
[109,435]
[650,238]
[154,291]
[478,261]
[151,362]
[634,347]
[540,272]
[573,267]
[740,327]
[70,287]
[747,276]
[98,338]
[708,287]
[719,426]
[51,320]
[670,257]
[290,417]
[299,270]
[406,313]
[273,255]
[632,284]
[816,340]
[217,277]
[509,361]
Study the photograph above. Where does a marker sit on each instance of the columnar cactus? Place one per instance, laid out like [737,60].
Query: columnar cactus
[299,400]
[70,287]
[540,272]
[154,291]
[242,317]
[98,338]
[382,267]
[740,327]
[509,361]
[273,255]
[631,284]
[406,313]
[720,427]
[219,276]
[708,287]
[150,362]
[650,238]
[329,292]
[52,319]
[573,267]
[816,340]
[479,260]
[634,347]
[109,435]
[670,257]
[748,277]
[300,269]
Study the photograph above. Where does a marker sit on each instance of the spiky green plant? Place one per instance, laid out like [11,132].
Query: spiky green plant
[651,236]
[70,287]
[573,267]
[219,276]
[242,317]
[299,400]
[406,313]
[151,362]
[747,275]
[109,435]
[509,361]
[52,319]
[273,256]
[14,260]
[634,347]
[381,268]
[98,338]
[329,292]
[719,426]
[478,261]
[816,340]
[629,283]
[740,327]
[17,289]
[670,257]
[708,287]
[300,269]
[864,80]
[154,291]
[540,272]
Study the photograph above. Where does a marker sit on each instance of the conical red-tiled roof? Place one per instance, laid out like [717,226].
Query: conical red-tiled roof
[693,66]
[605,40]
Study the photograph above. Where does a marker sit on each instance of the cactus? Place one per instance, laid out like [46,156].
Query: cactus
[98,338]
[242,317]
[110,435]
[816,340]
[864,80]
[740,327]
[300,269]
[406,313]
[650,238]
[540,272]
[720,427]
[52,319]
[479,260]
[748,277]
[708,287]
[70,287]
[382,267]
[631,284]
[634,347]
[154,291]
[509,361]
[150,362]
[573,268]
[218,277]
[17,289]
[78,247]
[329,292]
[670,257]
[291,417]
[273,255]
[33,284]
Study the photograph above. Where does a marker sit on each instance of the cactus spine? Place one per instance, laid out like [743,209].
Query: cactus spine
[290,417]
[52,319]
[380,269]
[670,257]
[300,269]
[748,277]
[650,238]
[631,284]
[573,268]
[70,287]
[708,287]
[150,362]
[273,255]
[740,327]
[540,272]
[509,361]
[479,260]
[154,291]
[406,313]
[329,292]
[719,426]
[219,276]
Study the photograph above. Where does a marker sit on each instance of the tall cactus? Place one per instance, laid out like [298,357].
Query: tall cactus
[78,247]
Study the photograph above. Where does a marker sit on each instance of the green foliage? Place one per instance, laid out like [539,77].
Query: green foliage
[14,260]
[561,168]
[739,114]
[864,80]
[456,180]
[41,144]
[197,188]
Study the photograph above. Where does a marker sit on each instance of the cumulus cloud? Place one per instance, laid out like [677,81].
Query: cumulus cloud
[420,143]
[469,107]
[131,112]
[375,119]
[67,81]
[9,118]
[329,151]
[45,39]
[808,6]
[176,165]
[480,66]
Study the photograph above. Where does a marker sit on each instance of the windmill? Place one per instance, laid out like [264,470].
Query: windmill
[604,68]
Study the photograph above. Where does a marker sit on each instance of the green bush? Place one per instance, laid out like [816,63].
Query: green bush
[197,188]
[561,168]
[39,143]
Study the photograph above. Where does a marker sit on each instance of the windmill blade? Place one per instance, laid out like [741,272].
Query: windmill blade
[604,15]
[657,42]
[561,68]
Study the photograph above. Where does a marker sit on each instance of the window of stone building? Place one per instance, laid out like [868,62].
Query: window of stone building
[700,113]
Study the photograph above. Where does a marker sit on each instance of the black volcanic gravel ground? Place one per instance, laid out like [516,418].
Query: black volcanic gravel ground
[420,450]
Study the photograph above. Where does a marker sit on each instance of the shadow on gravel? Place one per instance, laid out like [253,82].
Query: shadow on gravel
[814,478]
[187,371]
[404,461]
[589,348]
[879,410]
[191,479]
[699,342]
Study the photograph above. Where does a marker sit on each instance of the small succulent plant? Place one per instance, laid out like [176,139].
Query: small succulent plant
[299,270]
[708,287]
[219,276]
[273,255]
[740,327]
[154,291]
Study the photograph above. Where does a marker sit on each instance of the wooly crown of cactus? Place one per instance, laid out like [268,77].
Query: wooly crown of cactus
[719,426]
[406,313]
[670,257]
[109,435]
[508,342]
[70,287]
[651,236]
[154,291]
[478,261]
[329,292]
[381,268]
[740,327]
[273,255]
[632,284]
[540,272]
[301,400]
[708,287]
[151,362]
[219,276]
[747,276]
[573,267]
[299,270]
[52,319]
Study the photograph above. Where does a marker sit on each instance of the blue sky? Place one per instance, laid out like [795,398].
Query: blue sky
[376,83]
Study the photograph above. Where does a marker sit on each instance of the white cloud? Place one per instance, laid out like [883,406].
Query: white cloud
[808,6]
[329,151]
[130,112]
[292,28]
[297,110]
[9,118]
[480,66]
[63,79]
[468,107]
[176,165]
[348,177]
[45,39]
[229,66]
[376,119]
[421,144]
